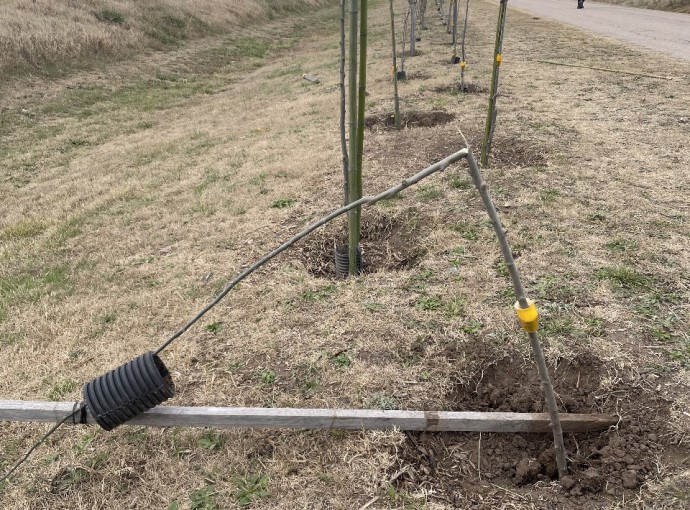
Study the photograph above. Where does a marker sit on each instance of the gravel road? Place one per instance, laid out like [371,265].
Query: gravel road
[666,32]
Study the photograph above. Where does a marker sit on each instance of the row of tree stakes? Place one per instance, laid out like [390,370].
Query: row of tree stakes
[353,59]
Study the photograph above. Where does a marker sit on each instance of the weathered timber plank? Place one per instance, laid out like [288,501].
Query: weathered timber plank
[276,418]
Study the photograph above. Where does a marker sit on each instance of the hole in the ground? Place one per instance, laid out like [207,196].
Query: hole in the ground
[614,462]
[455,89]
[411,119]
[389,243]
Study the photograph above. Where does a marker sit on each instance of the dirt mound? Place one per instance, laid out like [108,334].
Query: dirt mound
[388,243]
[409,120]
[465,468]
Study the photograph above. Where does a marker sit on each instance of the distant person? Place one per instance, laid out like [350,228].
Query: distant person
[580,4]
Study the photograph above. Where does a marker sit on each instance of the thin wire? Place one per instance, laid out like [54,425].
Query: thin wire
[37,444]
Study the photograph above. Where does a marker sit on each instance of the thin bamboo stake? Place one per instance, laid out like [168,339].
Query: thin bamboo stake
[493,93]
[353,232]
[617,71]
[396,99]
[523,303]
[343,137]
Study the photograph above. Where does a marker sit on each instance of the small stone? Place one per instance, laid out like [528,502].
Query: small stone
[630,480]
[576,492]
[568,482]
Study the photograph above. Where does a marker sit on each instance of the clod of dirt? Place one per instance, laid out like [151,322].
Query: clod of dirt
[409,120]
[547,458]
[630,479]
[527,471]
[592,480]
[568,482]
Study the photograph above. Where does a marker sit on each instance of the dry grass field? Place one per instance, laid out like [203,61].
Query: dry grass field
[130,193]
[662,5]
[51,37]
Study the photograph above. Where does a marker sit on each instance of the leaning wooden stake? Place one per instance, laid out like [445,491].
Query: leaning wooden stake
[396,99]
[493,92]
[343,137]
[527,313]
[292,418]
[352,216]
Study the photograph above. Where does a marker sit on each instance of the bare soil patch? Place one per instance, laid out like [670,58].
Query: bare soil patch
[602,465]
[454,88]
[389,243]
[412,119]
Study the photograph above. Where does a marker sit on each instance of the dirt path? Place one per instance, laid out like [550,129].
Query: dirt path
[666,32]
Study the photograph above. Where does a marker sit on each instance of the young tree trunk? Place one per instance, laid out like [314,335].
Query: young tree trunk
[355,219]
[455,27]
[343,137]
[395,70]
[352,215]
[463,62]
[493,92]
[413,28]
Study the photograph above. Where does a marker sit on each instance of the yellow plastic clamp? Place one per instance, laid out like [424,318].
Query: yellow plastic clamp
[392,70]
[499,59]
[528,317]
[463,64]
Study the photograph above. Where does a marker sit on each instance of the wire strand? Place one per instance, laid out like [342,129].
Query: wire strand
[38,443]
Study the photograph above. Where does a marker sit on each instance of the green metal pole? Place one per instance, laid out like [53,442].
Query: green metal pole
[493,92]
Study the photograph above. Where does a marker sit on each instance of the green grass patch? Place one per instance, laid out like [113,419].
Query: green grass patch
[626,277]
[250,488]
[29,287]
[321,294]
[283,203]
[61,389]
[429,303]
[429,192]
[22,230]
[110,16]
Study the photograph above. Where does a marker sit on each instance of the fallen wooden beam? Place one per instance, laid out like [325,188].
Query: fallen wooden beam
[354,419]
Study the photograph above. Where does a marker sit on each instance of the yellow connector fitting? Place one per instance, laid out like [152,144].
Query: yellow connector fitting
[499,58]
[393,70]
[528,317]
[463,64]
